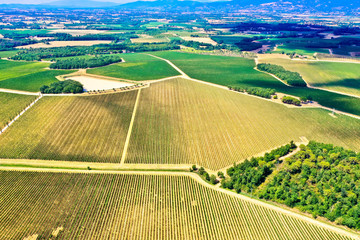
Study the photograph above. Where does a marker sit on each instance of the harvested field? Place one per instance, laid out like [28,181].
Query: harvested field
[99,206]
[64,44]
[94,84]
[200,39]
[89,129]
[185,122]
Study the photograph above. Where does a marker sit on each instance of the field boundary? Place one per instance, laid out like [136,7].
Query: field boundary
[130,128]
[199,180]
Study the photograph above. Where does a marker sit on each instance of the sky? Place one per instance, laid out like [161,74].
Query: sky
[47,1]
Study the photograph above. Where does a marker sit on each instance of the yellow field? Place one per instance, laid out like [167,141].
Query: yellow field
[184,122]
[90,129]
[100,206]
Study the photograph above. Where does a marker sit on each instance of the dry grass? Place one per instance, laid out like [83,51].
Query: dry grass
[200,39]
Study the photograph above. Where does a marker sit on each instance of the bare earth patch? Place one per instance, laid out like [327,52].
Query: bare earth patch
[93,83]
[65,44]
[200,39]
[56,232]
[32,237]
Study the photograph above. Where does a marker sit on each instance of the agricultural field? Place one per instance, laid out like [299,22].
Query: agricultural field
[7,54]
[290,49]
[123,206]
[342,77]
[180,121]
[150,39]
[27,76]
[11,105]
[137,67]
[89,129]
[240,72]
[64,44]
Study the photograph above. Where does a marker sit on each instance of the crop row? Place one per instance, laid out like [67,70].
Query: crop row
[101,206]
[184,122]
[90,128]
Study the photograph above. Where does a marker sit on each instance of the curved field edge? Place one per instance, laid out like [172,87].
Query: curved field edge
[240,72]
[152,205]
[138,67]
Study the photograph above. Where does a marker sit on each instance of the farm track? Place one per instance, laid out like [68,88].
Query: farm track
[253,205]
[165,170]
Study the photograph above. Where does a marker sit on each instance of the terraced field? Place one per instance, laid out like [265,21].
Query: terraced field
[137,67]
[342,77]
[11,105]
[27,76]
[185,122]
[90,128]
[236,71]
[103,206]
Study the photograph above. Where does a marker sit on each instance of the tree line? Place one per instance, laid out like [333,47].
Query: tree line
[291,78]
[291,100]
[77,63]
[257,91]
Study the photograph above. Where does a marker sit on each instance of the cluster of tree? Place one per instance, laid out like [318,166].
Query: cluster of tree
[249,175]
[292,78]
[67,86]
[257,91]
[88,37]
[6,44]
[291,100]
[210,178]
[248,44]
[77,63]
[202,46]
[320,179]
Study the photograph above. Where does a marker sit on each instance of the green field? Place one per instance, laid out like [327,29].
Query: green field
[137,67]
[124,206]
[342,77]
[184,122]
[90,128]
[11,105]
[236,71]
[27,76]
[289,49]
[7,54]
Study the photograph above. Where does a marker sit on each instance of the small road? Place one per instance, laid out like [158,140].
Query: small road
[19,92]
[171,64]
[130,128]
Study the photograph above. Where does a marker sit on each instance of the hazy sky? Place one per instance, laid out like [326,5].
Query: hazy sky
[47,1]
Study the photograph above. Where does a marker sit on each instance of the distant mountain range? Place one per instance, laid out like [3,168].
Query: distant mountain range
[188,5]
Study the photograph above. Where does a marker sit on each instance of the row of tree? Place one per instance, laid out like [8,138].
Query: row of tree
[77,63]
[261,92]
[67,86]
[291,78]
